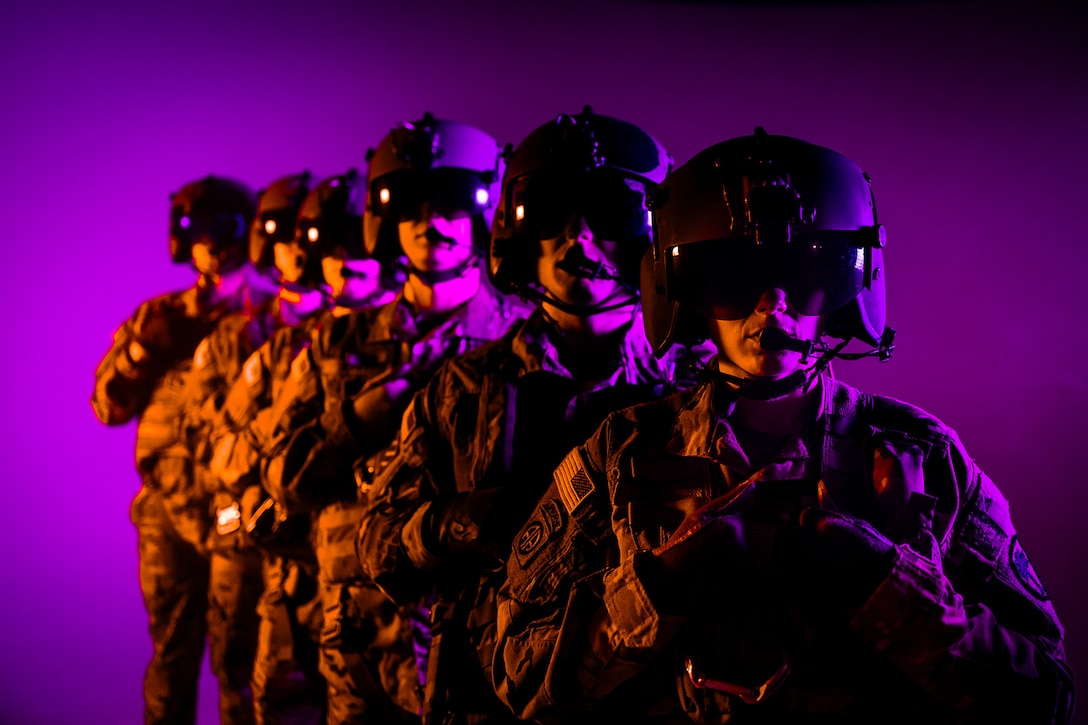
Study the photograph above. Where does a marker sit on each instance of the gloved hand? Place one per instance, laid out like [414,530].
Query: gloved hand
[842,559]
[707,556]
[478,522]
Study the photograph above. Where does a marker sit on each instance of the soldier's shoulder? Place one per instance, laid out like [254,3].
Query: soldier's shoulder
[176,299]
[888,414]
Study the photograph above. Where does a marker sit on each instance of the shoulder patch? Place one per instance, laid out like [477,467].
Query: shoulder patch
[572,481]
[546,522]
[1025,572]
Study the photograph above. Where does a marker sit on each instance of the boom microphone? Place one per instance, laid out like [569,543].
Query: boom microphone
[773,339]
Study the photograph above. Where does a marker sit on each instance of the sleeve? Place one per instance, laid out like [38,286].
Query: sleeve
[294,470]
[574,619]
[235,435]
[156,336]
[398,492]
[201,398]
[973,626]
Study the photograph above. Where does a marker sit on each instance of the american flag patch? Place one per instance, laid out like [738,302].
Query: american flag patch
[571,480]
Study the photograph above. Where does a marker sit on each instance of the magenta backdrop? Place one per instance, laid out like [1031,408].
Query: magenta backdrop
[970,117]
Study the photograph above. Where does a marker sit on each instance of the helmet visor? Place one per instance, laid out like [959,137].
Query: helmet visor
[219,228]
[277,226]
[614,207]
[820,271]
[452,193]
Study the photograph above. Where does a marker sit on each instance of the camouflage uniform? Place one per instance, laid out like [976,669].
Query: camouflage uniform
[367,643]
[493,422]
[287,686]
[170,511]
[236,566]
[960,630]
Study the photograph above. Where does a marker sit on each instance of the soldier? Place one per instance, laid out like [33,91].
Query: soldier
[320,236]
[144,374]
[430,188]
[236,569]
[774,545]
[476,445]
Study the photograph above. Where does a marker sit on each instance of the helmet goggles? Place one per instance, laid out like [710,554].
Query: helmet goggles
[453,193]
[819,270]
[613,205]
[277,226]
[222,227]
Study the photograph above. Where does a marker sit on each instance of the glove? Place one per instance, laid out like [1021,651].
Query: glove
[477,522]
[843,559]
[705,558]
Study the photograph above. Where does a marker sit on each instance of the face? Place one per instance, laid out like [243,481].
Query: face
[578,243]
[205,260]
[290,260]
[354,279]
[740,353]
[435,244]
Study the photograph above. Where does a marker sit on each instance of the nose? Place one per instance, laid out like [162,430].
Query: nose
[425,213]
[578,230]
[772,301]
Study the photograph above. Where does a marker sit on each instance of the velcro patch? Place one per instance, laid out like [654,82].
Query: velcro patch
[546,522]
[253,370]
[1025,572]
[301,365]
[572,481]
[200,357]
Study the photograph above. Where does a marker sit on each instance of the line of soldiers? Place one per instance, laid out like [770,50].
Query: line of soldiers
[549,433]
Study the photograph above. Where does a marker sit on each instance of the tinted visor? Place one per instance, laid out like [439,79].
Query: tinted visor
[323,236]
[277,226]
[452,193]
[614,207]
[819,271]
[189,228]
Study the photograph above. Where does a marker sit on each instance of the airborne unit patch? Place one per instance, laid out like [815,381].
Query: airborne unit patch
[546,522]
[1025,572]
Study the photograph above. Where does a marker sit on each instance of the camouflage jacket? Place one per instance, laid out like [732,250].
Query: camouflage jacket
[233,371]
[493,422]
[168,329]
[380,354]
[960,630]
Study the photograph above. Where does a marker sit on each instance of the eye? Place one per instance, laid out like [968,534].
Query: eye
[312,234]
[270,226]
[383,196]
[519,212]
[482,196]
[185,222]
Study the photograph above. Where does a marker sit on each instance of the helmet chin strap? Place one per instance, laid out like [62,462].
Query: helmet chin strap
[577,264]
[578,310]
[431,278]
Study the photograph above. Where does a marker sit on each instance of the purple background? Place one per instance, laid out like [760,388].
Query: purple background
[970,117]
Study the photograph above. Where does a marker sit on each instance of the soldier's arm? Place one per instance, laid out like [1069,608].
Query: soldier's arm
[398,493]
[973,626]
[294,470]
[234,435]
[574,618]
[156,337]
